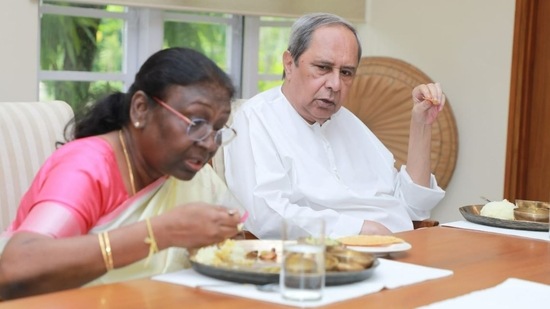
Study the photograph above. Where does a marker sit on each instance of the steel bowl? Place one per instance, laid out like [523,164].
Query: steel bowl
[534,211]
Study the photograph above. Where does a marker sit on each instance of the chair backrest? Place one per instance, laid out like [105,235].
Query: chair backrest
[28,135]
[381,97]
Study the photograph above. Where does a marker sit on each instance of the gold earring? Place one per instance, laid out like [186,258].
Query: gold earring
[136,124]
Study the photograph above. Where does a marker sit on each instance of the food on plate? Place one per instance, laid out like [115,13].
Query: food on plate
[227,253]
[329,242]
[263,255]
[299,262]
[370,240]
[231,254]
[268,254]
[499,210]
[346,256]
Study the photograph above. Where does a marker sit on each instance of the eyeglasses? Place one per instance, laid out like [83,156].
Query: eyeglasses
[199,129]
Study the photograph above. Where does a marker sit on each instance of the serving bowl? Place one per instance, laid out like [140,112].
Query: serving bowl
[532,211]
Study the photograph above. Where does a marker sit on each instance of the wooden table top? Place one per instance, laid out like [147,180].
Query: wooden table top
[479,260]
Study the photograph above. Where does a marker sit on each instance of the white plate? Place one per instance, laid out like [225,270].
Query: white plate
[402,246]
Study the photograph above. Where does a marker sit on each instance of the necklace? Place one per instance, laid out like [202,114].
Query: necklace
[128,163]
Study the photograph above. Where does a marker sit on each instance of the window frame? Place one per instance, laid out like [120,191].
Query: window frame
[143,35]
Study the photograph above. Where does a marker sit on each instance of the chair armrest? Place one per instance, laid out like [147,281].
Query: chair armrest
[425,223]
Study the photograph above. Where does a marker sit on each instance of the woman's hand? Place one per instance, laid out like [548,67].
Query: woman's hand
[428,102]
[195,225]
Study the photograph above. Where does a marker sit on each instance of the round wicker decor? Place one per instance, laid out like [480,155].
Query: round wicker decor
[381,97]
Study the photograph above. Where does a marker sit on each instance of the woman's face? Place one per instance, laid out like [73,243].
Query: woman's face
[165,146]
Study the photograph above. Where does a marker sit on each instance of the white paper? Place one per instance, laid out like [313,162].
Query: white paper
[512,293]
[389,274]
[499,230]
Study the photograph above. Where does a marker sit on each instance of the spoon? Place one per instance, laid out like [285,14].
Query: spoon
[486,199]
[270,287]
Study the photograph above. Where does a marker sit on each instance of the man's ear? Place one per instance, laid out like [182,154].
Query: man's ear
[288,63]
[139,108]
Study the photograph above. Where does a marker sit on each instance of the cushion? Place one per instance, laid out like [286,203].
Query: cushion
[28,135]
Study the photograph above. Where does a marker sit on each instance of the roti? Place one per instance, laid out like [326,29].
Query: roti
[370,240]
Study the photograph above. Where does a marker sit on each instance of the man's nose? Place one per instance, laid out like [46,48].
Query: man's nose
[334,81]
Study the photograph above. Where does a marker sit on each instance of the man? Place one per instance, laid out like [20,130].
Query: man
[300,153]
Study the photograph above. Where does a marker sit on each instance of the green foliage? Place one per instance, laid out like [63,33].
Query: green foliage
[80,44]
[208,39]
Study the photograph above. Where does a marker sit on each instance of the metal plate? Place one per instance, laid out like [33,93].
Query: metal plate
[472,214]
[255,275]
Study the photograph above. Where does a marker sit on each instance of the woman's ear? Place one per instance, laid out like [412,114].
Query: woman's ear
[139,107]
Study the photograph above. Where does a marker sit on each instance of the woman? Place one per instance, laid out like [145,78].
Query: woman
[103,205]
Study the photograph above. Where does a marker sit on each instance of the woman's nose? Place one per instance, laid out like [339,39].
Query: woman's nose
[210,142]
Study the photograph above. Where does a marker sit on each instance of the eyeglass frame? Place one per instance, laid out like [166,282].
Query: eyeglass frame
[191,123]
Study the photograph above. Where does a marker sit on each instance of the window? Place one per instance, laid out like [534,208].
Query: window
[88,51]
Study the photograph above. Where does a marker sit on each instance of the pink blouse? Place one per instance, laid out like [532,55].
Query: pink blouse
[78,185]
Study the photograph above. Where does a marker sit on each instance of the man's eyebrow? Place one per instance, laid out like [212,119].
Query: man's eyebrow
[350,67]
[331,64]
[323,63]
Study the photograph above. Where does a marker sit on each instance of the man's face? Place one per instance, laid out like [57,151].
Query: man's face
[320,81]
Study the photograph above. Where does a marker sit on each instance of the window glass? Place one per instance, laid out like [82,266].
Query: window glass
[89,50]
[75,91]
[77,40]
[72,43]
[209,39]
[274,34]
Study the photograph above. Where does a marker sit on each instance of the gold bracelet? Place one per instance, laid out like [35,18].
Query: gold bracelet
[104,252]
[102,247]
[151,241]
[108,251]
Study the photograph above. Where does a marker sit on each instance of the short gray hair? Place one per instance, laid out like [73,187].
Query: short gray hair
[303,28]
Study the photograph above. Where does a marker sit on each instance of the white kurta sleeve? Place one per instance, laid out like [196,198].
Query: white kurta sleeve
[419,200]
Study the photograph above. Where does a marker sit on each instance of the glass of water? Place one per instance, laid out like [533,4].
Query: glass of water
[303,265]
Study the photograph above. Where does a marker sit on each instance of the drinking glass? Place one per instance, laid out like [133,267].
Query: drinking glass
[303,265]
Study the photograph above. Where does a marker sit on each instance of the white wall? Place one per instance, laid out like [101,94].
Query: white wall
[18,50]
[466,45]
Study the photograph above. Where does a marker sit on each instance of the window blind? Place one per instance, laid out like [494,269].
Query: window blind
[352,10]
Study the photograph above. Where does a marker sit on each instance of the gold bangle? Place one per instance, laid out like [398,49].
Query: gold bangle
[151,241]
[108,251]
[102,247]
[105,251]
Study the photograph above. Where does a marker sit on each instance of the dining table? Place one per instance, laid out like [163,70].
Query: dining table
[478,260]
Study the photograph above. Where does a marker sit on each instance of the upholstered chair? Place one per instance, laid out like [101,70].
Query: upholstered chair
[28,135]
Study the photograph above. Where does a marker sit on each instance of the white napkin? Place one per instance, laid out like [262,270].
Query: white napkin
[512,293]
[389,274]
[499,230]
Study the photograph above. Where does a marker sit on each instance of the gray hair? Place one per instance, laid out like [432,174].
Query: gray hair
[303,28]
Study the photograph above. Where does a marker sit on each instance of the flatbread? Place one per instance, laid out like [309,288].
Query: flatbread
[370,240]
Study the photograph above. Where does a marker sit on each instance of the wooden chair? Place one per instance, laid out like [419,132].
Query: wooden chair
[381,97]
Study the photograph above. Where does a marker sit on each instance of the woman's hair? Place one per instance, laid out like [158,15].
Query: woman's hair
[303,28]
[168,67]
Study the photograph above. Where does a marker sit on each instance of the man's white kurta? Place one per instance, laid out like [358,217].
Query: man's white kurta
[279,166]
